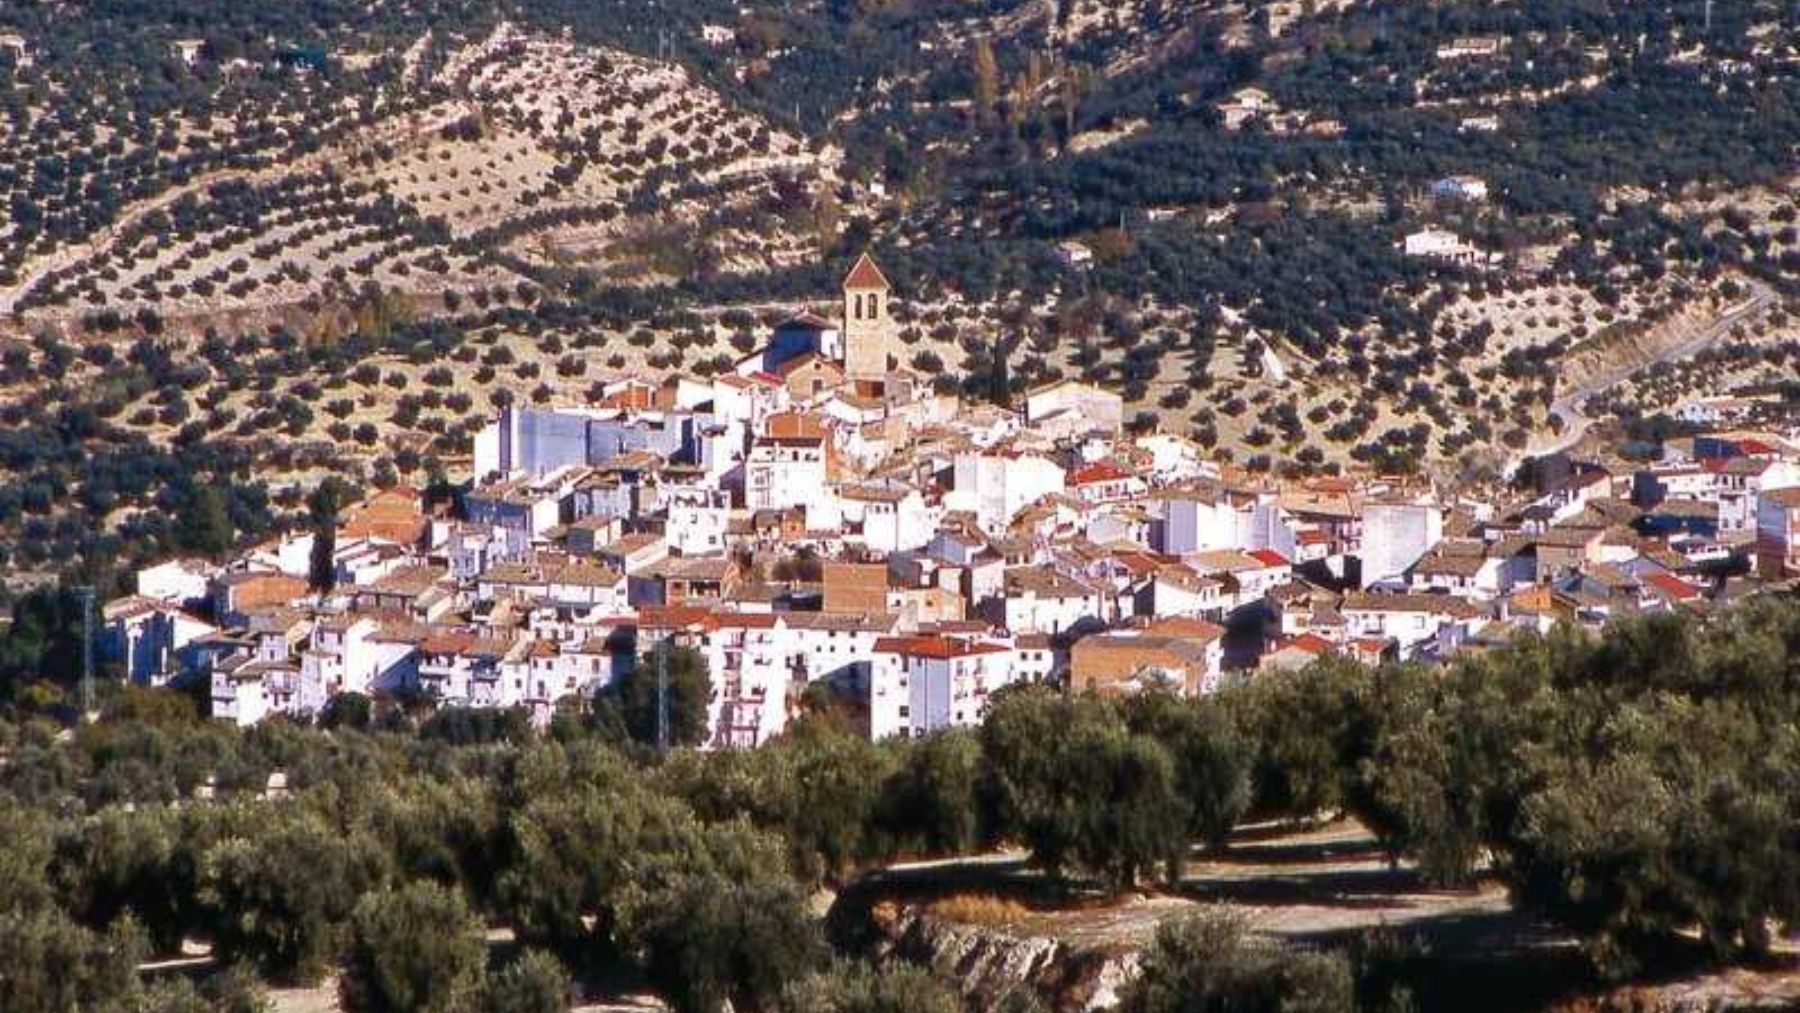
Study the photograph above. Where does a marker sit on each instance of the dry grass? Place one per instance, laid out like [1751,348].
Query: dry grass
[979,909]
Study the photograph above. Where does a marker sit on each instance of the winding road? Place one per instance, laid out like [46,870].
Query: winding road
[1568,408]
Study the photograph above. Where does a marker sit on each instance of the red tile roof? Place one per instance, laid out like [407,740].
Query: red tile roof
[1310,643]
[865,275]
[1186,628]
[1269,557]
[1672,586]
[1102,471]
[934,647]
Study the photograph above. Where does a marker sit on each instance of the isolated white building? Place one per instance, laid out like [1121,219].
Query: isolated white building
[1444,245]
[1464,188]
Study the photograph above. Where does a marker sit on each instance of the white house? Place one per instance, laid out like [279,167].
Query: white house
[1444,245]
[1180,590]
[891,518]
[1075,407]
[921,684]
[1778,533]
[178,581]
[1074,255]
[1466,573]
[1464,188]
[1249,575]
[698,519]
[146,636]
[1410,620]
[1474,47]
[463,668]
[747,400]
[1395,536]
[240,693]
[785,471]
[996,486]
[1037,599]
[290,554]
[189,51]
[752,672]
[1200,520]
[347,655]
[1105,482]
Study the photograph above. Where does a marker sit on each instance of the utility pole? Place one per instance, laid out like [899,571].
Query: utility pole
[85,595]
[662,696]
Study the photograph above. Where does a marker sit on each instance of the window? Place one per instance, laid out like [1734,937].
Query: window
[874,307]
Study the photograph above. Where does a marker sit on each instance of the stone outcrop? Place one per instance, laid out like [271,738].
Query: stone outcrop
[990,962]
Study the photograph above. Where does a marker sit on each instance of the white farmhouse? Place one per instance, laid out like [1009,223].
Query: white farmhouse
[1444,245]
[1464,188]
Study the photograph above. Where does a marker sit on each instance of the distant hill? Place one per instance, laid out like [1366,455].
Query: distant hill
[259,243]
[516,152]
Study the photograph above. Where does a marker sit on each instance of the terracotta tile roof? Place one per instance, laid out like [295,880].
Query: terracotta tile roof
[866,275]
[1431,602]
[1310,643]
[1671,586]
[934,647]
[1100,471]
[672,617]
[1186,628]
[1044,582]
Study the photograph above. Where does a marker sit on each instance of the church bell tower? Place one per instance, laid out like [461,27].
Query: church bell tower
[871,341]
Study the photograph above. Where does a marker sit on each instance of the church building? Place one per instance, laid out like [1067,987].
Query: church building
[866,346]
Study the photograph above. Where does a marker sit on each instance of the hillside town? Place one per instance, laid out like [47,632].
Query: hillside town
[819,517]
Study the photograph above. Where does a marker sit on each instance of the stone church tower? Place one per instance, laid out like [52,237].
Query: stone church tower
[871,337]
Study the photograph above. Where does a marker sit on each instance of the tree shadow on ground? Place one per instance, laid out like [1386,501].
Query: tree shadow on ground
[1350,889]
